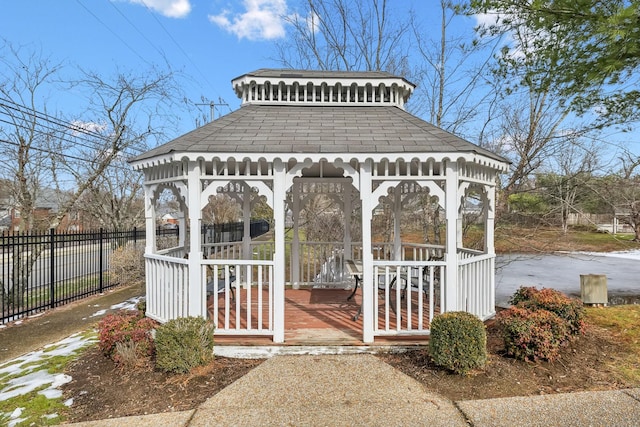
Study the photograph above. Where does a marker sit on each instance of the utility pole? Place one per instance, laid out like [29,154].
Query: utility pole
[213,105]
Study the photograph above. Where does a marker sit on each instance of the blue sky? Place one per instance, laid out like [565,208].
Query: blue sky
[210,41]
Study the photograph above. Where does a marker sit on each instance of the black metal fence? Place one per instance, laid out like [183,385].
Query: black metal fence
[43,270]
[233,231]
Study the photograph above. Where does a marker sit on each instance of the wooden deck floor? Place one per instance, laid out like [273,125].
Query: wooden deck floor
[312,317]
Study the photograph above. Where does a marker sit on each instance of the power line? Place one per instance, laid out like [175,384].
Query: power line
[204,77]
[47,117]
[60,138]
[59,122]
[113,32]
[136,28]
[68,156]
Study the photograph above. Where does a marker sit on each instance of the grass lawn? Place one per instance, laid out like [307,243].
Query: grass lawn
[515,239]
[623,321]
[30,385]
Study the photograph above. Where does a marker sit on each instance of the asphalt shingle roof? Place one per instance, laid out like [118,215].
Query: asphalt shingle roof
[318,129]
[315,74]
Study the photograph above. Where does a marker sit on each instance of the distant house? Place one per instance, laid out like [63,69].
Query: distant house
[47,204]
[169,219]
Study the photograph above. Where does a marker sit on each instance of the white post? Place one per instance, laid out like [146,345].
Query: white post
[367,256]
[197,300]
[279,259]
[347,207]
[489,202]
[246,215]
[295,244]
[451,211]
[150,247]
[397,213]
[150,220]
[489,244]
[246,236]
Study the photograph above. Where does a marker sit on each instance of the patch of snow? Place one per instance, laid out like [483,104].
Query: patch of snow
[98,313]
[50,416]
[68,346]
[26,374]
[129,304]
[15,422]
[51,393]
[16,413]
[68,402]
[3,326]
[632,254]
[25,384]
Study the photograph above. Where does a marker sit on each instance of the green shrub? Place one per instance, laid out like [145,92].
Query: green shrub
[183,344]
[458,342]
[569,309]
[124,327]
[532,334]
[524,293]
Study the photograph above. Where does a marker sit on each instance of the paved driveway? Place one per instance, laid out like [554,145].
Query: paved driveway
[562,271]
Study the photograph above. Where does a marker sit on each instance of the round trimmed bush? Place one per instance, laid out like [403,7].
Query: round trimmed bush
[124,327]
[532,334]
[458,342]
[569,309]
[184,343]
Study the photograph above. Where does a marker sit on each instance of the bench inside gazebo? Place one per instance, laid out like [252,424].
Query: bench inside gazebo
[344,135]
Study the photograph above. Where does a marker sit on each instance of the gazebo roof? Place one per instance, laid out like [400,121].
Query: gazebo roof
[284,73]
[319,112]
[318,129]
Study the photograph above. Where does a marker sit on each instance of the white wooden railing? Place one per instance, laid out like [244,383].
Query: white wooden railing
[240,296]
[167,283]
[476,283]
[233,250]
[409,294]
[244,304]
[175,252]
[322,263]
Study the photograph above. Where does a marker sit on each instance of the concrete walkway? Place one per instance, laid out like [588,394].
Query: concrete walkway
[331,390]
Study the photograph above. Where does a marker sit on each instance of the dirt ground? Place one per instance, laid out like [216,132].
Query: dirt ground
[100,390]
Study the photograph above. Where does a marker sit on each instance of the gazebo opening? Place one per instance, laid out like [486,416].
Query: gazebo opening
[376,218]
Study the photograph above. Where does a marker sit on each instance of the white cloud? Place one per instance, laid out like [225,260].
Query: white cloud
[312,22]
[168,8]
[79,127]
[487,19]
[261,20]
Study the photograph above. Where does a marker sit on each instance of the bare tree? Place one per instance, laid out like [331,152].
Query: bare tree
[124,113]
[26,160]
[221,209]
[42,146]
[623,192]
[354,35]
[451,73]
[115,201]
[569,172]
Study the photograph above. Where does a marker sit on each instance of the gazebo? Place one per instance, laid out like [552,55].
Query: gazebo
[343,134]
